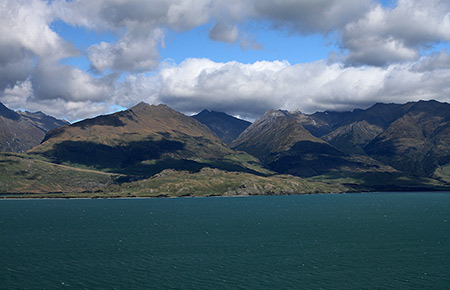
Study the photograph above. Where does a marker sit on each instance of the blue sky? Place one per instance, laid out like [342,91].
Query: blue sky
[80,58]
[194,43]
[276,45]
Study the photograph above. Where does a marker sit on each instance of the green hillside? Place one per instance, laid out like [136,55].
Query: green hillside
[20,173]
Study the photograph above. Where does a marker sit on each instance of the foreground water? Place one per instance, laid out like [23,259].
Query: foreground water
[351,241]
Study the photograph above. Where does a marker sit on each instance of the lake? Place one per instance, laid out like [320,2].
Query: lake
[330,241]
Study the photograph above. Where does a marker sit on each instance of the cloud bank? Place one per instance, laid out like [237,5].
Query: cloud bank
[384,55]
[249,90]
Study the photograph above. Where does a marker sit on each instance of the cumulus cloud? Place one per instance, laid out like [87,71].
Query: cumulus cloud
[383,55]
[305,16]
[30,55]
[249,90]
[25,34]
[140,25]
[385,36]
[21,96]
[132,53]
[369,33]
[436,61]
[68,83]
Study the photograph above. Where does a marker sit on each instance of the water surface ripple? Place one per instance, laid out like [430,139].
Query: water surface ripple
[350,241]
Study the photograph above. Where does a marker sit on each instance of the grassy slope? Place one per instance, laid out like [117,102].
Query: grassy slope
[443,173]
[20,173]
[212,182]
[37,178]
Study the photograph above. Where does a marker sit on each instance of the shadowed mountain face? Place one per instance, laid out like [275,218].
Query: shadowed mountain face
[281,142]
[277,131]
[143,140]
[21,131]
[226,127]
[412,138]
[417,142]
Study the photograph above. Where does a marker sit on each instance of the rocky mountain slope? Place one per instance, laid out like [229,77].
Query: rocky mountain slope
[21,131]
[283,144]
[417,142]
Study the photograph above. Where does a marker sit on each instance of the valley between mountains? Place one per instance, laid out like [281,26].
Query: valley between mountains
[155,151]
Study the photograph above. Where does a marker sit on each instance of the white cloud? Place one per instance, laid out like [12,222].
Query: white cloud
[249,90]
[21,96]
[132,53]
[385,36]
[52,81]
[140,25]
[25,35]
[436,61]
[381,58]
[30,53]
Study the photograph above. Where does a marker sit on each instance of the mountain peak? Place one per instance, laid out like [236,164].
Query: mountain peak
[274,115]
[140,106]
[204,112]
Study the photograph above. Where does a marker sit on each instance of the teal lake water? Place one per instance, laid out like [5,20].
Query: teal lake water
[348,241]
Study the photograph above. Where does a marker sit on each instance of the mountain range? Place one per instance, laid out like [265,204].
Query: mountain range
[385,147]
[21,131]
[410,140]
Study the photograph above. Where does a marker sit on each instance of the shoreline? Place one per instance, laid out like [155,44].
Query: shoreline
[29,196]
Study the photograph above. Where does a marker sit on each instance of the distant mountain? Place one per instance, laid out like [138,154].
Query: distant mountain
[226,127]
[143,140]
[280,141]
[21,131]
[412,139]
[418,141]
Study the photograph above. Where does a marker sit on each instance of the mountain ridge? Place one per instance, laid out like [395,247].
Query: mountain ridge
[142,140]
[411,138]
[387,147]
[21,131]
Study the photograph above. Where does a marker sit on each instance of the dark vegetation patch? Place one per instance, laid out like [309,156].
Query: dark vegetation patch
[127,159]
[102,156]
[8,162]
[414,161]
[308,158]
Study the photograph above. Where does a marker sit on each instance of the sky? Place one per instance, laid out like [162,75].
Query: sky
[82,58]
